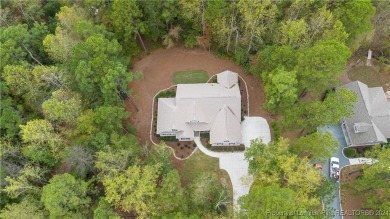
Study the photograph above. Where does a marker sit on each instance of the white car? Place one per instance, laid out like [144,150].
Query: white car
[334,168]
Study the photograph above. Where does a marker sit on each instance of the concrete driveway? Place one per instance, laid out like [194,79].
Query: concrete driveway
[234,162]
[337,134]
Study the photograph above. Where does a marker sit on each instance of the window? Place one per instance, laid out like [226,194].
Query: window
[174,130]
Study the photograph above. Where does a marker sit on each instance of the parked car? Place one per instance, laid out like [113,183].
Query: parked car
[334,168]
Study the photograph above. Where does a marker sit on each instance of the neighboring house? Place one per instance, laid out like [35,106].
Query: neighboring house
[205,107]
[370,123]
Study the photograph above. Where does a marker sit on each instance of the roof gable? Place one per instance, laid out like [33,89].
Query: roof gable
[227,78]
[225,127]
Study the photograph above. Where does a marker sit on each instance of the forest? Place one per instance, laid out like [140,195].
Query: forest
[68,149]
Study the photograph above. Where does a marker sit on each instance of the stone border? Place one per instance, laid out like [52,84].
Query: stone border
[151,122]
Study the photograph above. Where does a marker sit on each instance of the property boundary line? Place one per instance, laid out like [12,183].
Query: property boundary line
[151,122]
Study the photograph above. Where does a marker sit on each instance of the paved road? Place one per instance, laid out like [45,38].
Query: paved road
[337,134]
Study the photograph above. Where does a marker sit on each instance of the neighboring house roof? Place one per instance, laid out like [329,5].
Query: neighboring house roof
[227,78]
[225,127]
[196,107]
[370,123]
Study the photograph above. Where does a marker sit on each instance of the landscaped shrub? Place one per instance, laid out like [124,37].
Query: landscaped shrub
[178,144]
[168,93]
[205,135]
[351,153]
[194,145]
[181,147]
[168,138]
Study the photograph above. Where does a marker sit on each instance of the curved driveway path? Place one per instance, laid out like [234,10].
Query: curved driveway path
[236,166]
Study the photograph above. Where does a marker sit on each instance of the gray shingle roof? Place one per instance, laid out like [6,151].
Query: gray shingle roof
[370,123]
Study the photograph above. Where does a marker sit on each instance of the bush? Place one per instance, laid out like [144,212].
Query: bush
[351,153]
[168,93]
[205,135]
[275,127]
[190,39]
[168,138]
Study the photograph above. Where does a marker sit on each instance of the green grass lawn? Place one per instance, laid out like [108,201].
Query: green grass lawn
[365,74]
[200,163]
[190,77]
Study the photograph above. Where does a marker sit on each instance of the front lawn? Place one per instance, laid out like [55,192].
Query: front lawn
[200,163]
[190,77]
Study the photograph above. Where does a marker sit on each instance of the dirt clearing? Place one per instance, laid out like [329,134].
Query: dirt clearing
[158,69]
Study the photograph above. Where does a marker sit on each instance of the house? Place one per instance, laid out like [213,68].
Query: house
[370,123]
[204,107]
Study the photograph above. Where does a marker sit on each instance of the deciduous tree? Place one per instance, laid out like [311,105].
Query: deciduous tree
[265,199]
[64,106]
[133,190]
[27,208]
[170,196]
[280,89]
[374,182]
[65,196]
[318,145]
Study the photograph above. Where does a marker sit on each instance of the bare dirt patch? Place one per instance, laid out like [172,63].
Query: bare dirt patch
[158,69]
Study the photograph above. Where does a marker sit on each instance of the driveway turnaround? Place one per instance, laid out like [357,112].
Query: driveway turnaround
[235,163]
[337,134]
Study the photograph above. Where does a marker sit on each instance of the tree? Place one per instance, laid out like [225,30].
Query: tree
[29,11]
[80,160]
[33,85]
[374,182]
[280,89]
[318,145]
[271,57]
[42,144]
[257,18]
[170,196]
[311,114]
[294,33]
[275,164]
[100,74]
[65,196]
[204,187]
[21,44]
[160,154]
[319,66]
[27,208]
[356,16]
[59,46]
[158,18]
[104,210]
[125,17]
[29,181]
[262,200]
[133,190]
[64,106]
[324,26]
[110,162]
[10,116]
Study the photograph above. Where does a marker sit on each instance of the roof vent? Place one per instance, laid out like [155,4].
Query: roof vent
[361,127]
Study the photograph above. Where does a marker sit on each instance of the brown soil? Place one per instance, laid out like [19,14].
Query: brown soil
[158,69]
[349,200]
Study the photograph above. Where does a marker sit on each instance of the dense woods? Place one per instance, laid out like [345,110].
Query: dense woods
[67,150]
